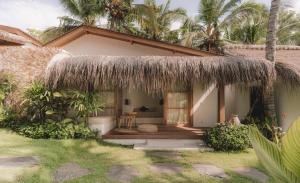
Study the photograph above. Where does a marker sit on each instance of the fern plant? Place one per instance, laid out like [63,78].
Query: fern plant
[280,160]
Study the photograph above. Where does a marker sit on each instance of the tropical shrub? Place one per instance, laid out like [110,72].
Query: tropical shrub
[280,160]
[6,87]
[41,104]
[65,129]
[7,114]
[36,102]
[264,125]
[55,114]
[227,137]
[85,103]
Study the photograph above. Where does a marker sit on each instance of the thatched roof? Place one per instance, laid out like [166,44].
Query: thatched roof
[7,38]
[154,73]
[25,63]
[14,36]
[287,59]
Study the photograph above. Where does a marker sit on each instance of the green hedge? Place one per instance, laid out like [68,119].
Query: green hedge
[66,129]
[226,137]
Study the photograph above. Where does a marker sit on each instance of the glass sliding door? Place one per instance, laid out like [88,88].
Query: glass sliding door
[177,108]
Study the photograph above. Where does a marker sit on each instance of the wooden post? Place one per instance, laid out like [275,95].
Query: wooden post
[221,104]
[165,108]
[191,115]
[118,103]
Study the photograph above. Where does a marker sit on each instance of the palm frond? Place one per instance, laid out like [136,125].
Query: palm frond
[71,5]
[229,6]
[291,149]
[269,155]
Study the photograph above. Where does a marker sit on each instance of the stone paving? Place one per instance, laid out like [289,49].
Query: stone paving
[252,173]
[126,174]
[165,168]
[210,170]
[25,161]
[120,173]
[70,171]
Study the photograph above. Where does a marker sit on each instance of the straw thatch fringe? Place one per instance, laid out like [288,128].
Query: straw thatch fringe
[288,73]
[9,37]
[153,73]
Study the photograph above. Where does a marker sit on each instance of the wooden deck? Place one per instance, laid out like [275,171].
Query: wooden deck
[164,132]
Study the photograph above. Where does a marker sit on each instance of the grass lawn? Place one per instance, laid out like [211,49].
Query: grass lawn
[99,157]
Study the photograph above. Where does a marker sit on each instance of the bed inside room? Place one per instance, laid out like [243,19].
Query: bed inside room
[148,107]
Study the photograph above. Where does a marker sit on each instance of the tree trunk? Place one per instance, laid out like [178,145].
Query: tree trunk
[271,34]
[269,98]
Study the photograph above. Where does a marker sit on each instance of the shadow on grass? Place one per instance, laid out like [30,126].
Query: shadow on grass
[55,153]
[99,156]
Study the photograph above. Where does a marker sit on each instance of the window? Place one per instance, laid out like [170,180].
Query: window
[177,107]
[108,99]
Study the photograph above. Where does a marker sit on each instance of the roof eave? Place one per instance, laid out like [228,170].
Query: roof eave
[82,30]
[20,33]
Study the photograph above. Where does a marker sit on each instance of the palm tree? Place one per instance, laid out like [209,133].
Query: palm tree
[269,96]
[119,15]
[155,20]
[190,30]
[289,24]
[82,12]
[296,38]
[214,16]
[250,29]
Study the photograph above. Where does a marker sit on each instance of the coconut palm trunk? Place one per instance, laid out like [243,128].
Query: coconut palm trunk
[271,56]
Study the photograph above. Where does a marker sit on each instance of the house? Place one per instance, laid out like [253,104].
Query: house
[182,90]
[176,85]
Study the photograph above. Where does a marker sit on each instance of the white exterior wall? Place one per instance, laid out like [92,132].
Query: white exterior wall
[237,102]
[102,124]
[97,45]
[205,104]
[288,105]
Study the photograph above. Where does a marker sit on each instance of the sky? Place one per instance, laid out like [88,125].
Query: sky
[41,14]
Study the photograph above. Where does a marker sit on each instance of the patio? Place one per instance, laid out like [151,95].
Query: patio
[164,132]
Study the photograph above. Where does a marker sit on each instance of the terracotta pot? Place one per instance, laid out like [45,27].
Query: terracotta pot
[235,120]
